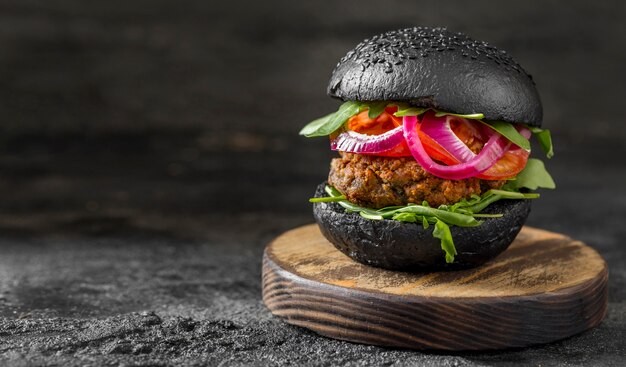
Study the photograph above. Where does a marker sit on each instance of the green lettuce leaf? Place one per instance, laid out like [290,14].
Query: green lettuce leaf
[312,127]
[376,108]
[406,110]
[508,131]
[442,231]
[409,111]
[329,123]
[545,140]
[457,219]
[471,116]
[533,176]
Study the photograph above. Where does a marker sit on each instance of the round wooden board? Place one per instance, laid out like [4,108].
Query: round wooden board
[545,287]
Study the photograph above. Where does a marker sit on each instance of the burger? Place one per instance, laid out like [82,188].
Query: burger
[433,140]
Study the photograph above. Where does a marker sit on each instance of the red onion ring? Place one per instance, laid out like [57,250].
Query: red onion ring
[353,142]
[441,132]
[493,150]
[439,129]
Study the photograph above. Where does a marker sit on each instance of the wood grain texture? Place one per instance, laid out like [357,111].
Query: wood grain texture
[545,287]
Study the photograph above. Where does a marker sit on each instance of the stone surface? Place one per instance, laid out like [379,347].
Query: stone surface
[149,151]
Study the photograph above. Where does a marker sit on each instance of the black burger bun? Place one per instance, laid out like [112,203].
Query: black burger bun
[433,67]
[398,245]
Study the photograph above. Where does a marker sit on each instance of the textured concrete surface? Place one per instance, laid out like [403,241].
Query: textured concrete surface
[148,152]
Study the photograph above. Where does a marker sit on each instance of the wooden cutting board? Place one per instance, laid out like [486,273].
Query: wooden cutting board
[545,287]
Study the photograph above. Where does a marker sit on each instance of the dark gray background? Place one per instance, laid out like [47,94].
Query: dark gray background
[149,151]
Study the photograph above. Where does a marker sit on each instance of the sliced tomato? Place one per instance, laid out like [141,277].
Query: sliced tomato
[400,150]
[512,163]
[361,123]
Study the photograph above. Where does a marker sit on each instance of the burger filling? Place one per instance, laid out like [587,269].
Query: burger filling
[429,167]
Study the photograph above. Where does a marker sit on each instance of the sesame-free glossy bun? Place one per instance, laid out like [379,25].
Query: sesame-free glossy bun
[398,245]
[433,67]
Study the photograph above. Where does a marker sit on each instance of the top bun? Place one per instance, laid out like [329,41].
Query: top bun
[433,67]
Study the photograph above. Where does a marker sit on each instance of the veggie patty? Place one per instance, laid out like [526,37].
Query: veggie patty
[377,182]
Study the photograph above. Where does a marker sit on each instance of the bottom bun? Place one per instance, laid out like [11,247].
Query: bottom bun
[398,245]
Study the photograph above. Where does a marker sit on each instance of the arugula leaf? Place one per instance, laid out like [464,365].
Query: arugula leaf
[329,123]
[407,110]
[488,215]
[457,219]
[472,116]
[545,140]
[461,214]
[405,217]
[365,212]
[375,108]
[493,195]
[315,125]
[513,194]
[410,111]
[327,199]
[533,176]
[332,191]
[487,199]
[508,131]
[442,231]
